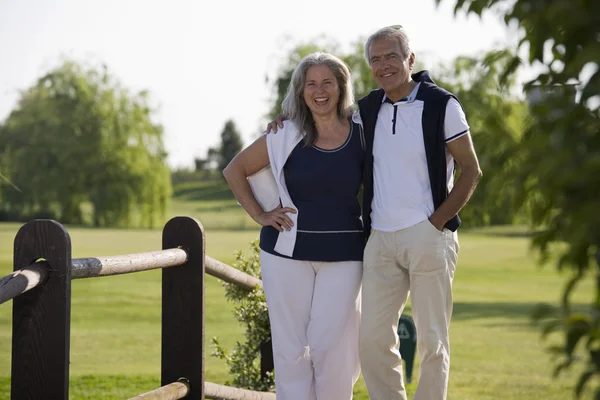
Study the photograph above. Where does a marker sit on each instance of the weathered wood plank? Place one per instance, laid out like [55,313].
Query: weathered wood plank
[23,280]
[172,391]
[182,348]
[229,274]
[127,263]
[219,392]
[41,317]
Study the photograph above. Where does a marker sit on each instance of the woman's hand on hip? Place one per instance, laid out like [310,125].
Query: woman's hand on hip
[276,218]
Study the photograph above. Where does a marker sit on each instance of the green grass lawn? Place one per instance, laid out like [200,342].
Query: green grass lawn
[115,331]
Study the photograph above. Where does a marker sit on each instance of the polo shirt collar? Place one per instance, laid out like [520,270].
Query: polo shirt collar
[409,99]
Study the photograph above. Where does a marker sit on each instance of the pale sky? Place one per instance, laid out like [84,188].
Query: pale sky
[205,62]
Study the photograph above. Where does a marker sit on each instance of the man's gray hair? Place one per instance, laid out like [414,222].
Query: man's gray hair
[295,108]
[396,33]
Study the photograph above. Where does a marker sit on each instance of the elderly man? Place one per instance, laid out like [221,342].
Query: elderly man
[415,133]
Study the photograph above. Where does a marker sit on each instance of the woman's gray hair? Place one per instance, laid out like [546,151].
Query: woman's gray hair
[396,33]
[295,108]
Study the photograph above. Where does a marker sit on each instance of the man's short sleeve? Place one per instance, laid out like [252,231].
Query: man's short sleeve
[455,124]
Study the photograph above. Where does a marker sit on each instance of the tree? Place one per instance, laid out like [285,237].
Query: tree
[231,145]
[208,164]
[559,172]
[362,78]
[200,164]
[496,118]
[78,139]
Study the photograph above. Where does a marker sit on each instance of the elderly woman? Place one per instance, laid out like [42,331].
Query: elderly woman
[312,237]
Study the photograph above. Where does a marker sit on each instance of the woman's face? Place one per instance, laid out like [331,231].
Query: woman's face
[321,90]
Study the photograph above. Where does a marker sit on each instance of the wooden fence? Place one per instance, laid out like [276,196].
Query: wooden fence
[40,287]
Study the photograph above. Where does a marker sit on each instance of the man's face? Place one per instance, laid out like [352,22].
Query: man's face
[389,66]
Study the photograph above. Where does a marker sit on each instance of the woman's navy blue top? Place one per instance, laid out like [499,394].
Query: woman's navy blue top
[324,185]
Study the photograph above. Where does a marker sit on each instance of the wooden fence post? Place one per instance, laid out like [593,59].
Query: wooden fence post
[182,353]
[41,316]
[267,364]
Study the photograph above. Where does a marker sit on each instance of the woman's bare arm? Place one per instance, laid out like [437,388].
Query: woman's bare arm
[248,162]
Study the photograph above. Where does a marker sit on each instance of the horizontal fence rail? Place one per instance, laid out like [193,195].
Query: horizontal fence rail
[219,392]
[172,391]
[35,274]
[23,280]
[229,274]
[212,391]
[128,263]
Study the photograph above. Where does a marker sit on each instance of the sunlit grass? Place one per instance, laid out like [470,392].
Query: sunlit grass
[115,330]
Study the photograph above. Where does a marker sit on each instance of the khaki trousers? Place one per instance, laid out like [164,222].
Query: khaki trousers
[419,260]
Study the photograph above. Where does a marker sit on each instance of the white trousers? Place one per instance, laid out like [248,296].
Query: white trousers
[419,260]
[314,310]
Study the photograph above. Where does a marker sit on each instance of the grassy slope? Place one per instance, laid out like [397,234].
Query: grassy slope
[115,334]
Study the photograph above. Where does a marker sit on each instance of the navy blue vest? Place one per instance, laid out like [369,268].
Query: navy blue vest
[324,186]
[434,112]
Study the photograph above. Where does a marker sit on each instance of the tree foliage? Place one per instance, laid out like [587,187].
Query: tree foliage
[559,162]
[231,144]
[217,158]
[77,138]
[362,78]
[496,117]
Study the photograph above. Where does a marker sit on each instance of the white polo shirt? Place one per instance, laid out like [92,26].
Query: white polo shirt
[402,192]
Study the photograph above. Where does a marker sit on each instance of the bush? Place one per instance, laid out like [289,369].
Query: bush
[251,311]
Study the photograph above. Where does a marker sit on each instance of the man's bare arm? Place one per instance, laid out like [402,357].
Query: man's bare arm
[469,175]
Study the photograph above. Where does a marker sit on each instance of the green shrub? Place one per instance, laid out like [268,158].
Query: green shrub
[251,311]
